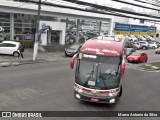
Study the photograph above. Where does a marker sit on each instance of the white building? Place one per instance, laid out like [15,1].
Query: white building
[18,22]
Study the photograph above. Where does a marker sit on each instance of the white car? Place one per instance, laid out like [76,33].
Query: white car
[137,45]
[153,45]
[144,44]
[9,47]
[132,38]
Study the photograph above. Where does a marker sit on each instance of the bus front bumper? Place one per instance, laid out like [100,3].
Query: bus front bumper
[108,100]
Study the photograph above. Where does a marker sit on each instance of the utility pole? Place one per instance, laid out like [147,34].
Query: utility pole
[77,32]
[37,35]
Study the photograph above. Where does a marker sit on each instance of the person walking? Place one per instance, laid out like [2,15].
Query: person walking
[20,51]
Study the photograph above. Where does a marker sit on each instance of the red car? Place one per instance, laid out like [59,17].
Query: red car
[157,51]
[137,57]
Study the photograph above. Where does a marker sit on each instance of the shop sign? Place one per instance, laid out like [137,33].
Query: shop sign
[138,28]
[121,27]
[152,29]
[87,27]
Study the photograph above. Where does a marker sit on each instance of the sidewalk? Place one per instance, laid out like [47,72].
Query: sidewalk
[6,60]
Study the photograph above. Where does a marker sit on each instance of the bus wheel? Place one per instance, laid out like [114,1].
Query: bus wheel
[120,93]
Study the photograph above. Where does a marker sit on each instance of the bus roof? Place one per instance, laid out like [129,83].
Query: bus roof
[102,47]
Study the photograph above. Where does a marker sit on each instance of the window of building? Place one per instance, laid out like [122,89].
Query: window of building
[24,26]
[141,21]
[4,26]
[48,18]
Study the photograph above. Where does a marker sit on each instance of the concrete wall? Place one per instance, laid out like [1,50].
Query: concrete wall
[136,22]
[121,20]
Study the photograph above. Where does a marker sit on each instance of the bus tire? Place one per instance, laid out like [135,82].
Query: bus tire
[120,93]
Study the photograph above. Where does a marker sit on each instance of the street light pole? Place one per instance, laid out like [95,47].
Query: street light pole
[35,52]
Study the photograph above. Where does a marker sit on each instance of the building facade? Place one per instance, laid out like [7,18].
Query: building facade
[18,22]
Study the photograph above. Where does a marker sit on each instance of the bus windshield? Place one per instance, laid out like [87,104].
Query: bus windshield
[99,72]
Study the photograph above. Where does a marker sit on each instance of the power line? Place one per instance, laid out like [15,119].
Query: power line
[110,8]
[156,1]
[154,4]
[93,11]
[125,2]
[66,3]
[100,12]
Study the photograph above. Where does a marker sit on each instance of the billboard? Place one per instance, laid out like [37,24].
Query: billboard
[152,29]
[121,27]
[138,28]
[127,29]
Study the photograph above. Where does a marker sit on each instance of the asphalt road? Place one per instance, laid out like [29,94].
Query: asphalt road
[49,87]
[152,57]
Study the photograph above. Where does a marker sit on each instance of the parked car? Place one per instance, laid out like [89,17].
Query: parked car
[153,45]
[157,51]
[137,45]
[73,49]
[10,48]
[129,45]
[137,56]
[158,42]
[129,51]
[144,44]
[151,38]
[90,35]
[147,38]
[132,38]
[141,38]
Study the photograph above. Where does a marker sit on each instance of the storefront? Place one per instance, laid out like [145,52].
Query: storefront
[19,23]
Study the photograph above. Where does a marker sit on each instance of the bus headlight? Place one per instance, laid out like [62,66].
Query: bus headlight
[112,100]
[78,96]
[112,94]
[78,89]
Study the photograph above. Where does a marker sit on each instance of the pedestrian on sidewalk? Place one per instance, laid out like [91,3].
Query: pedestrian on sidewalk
[20,51]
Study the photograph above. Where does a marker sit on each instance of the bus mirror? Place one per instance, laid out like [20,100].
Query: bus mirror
[72,61]
[123,67]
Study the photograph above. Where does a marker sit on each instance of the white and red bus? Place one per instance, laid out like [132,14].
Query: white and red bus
[99,70]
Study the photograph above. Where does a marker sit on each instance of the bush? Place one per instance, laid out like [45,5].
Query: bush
[26,43]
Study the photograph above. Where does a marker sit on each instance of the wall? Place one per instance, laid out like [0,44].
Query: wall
[120,19]
[136,22]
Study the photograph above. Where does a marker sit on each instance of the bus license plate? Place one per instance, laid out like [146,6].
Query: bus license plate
[94,99]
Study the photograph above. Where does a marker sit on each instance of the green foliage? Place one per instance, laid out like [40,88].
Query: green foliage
[26,43]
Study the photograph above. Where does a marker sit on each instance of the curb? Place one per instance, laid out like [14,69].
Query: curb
[17,63]
[5,64]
